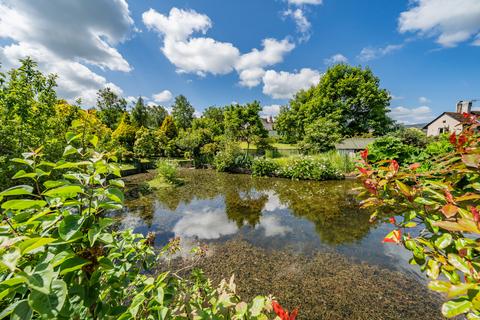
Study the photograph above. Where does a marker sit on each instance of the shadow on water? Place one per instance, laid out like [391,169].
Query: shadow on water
[315,228]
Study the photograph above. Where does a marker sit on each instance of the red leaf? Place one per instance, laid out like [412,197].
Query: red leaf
[462,140]
[453,139]
[277,308]
[449,210]
[364,154]
[471,160]
[370,186]
[414,166]
[393,237]
[392,220]
[394,166]
[476,214]
[448,196]
[294,314]
[365,171]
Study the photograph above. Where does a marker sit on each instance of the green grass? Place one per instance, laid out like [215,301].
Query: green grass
[281,146]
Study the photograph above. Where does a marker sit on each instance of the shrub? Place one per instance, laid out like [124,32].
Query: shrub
[61,259]
[442,205]
[308,168]
[391,148]
[168,171]
[230,158]
[264,167]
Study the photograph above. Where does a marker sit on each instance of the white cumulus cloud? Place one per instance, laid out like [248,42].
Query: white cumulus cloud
[372,53]
[271,110]
[450,21]
[43,30]
[423,100]
[303,25]
[162,97]
[407,115]
[336,58]
[302,2]
[283,85]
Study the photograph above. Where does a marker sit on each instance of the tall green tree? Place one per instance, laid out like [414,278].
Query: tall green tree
[182,112]
[156,115]
[168,128]
[349,96]
[111,107]
[243,123]
[140,114]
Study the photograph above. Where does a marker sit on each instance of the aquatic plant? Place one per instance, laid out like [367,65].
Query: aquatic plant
[444,203]
[168,171]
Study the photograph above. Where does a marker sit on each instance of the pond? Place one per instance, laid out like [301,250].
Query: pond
[306,242]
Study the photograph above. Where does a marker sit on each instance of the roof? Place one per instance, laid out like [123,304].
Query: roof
[455,115]
[268,125]
[354,143]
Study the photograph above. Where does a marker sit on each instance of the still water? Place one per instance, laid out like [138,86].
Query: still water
[304,216]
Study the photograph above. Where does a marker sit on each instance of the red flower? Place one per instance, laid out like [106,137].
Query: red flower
[364,154]
[392,220]
[283,314]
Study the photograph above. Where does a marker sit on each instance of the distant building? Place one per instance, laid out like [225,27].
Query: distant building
[450,121]
[350,146]
[269,125]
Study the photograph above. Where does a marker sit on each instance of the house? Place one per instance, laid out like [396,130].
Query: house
[350,146]
[269,125]
[450,121]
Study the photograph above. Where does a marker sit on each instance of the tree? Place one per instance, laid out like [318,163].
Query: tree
[125,133]
[140,114]
[348,96]
[243,123]
[111,107]
[182,112]
[320,136]
[168,128]
[156,115]
[146,143]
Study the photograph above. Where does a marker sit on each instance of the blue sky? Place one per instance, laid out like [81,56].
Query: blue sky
[425,52]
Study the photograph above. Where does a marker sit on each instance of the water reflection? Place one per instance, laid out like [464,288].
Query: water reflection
[213,205]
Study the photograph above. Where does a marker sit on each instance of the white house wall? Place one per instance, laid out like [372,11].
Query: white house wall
[444,121]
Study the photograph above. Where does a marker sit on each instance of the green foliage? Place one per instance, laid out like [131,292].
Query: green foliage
[140,114]
[168,171]
[243,123]
[156,116]
[169,128]
[182,112]
[264,167]
[60,258]
[146,143]
[111,107]
[441,204]
[307,168]
[125,133]
[320,136]
[348,96]
[392,148]
[412,137]
[231,158]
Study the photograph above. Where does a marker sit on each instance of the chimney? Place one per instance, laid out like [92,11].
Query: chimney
[464,106]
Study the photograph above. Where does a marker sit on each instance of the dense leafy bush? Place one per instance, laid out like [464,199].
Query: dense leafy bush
[308,168]
[264,167]
[230,158]
[391,148]
[168,171]
[60,258]
[441,203]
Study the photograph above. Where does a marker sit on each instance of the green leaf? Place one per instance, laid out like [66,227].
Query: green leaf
[23,161]
[115,194]
[22,311]
[117,183]
[439,286]
[93,234]
[22,204]
[29,245]
[54,183]
[70,226]
[8,310]
[257,306]
[433,269]
[458,262]
[73,264]
[71,136]
[49,305]
[94,141]
[69,191]
[40,279]
[443,241]
[69,150]
[455,307]
[22,174]
[10,258]
[17,190]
